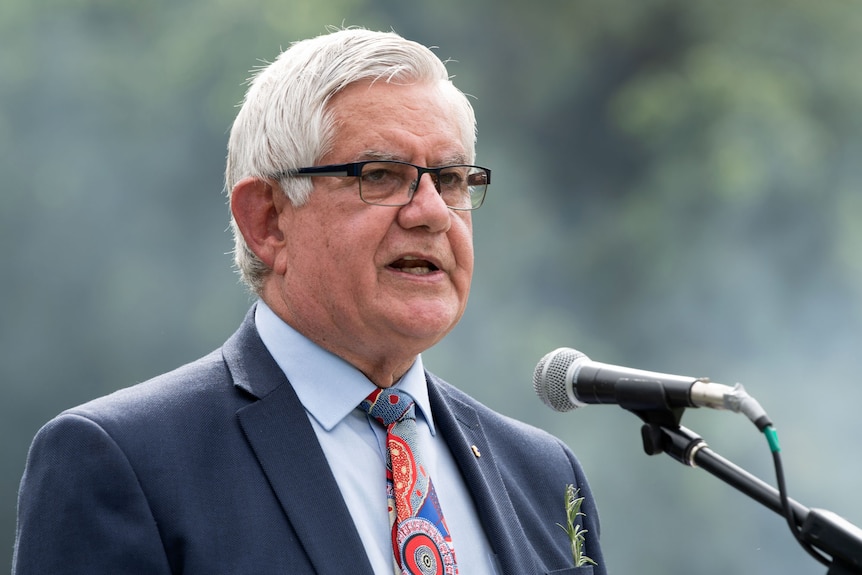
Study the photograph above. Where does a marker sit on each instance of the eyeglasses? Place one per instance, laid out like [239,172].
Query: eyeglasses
[391,183]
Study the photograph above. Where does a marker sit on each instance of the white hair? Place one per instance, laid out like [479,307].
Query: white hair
[284,122]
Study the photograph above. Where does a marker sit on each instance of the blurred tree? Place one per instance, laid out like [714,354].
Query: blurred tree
[676,188]
[113,123]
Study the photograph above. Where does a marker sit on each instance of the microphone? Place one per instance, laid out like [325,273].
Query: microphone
[566,379]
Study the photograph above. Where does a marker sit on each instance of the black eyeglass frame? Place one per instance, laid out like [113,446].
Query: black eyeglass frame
[354,169]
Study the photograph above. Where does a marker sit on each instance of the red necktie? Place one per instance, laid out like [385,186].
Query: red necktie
[420,538]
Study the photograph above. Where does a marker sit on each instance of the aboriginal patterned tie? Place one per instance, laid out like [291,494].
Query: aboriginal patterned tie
[421,541]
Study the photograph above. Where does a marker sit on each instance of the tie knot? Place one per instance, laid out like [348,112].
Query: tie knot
[388,406]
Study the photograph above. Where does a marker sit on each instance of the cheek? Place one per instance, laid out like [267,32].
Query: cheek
[461,240]
[308,250]
[347,255]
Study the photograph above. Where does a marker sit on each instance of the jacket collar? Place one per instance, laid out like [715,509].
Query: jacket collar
[278,431]
[460,426]
[281,437]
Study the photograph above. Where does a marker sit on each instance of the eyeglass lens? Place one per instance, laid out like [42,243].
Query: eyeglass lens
[393,184]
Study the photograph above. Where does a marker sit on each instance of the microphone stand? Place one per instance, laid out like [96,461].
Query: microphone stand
[817,528]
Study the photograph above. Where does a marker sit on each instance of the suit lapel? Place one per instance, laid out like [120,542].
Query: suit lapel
[278,431]
[459,426]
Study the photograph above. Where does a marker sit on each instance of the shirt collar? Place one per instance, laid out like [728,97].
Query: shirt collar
[328,386]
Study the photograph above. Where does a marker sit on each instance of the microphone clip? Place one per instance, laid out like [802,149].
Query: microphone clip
[679,442]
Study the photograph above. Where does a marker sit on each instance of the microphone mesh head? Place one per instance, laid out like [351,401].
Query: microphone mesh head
[549,379]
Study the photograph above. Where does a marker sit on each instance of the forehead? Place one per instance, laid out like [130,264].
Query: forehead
[397,121]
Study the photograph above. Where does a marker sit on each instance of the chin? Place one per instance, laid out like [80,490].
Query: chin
[430,325]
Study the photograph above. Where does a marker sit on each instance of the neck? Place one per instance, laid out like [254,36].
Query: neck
[384,374]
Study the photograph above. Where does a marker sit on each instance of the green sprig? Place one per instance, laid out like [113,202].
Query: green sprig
[574,529]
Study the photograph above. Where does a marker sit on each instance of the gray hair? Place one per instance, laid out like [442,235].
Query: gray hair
[284,122]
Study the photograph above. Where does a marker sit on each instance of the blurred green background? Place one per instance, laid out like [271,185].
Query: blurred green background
[676,188]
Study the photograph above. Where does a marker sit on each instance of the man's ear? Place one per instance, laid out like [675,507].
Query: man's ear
[256,205]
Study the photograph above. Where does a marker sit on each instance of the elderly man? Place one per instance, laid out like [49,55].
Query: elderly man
[314,440]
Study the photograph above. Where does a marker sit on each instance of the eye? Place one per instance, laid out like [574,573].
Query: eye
[452,178]
[373,174]
[387,173]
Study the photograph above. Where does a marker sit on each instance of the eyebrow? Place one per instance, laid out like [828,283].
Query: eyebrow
[387,156]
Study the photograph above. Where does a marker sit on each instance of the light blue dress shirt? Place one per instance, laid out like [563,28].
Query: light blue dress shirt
[331,389]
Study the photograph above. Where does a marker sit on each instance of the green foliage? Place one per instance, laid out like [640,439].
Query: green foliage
[574,530]
[676,188]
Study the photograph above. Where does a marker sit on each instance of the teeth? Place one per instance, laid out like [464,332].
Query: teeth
[417,270]
[414,265]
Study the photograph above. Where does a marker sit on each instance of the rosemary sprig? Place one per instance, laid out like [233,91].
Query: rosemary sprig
[573,529]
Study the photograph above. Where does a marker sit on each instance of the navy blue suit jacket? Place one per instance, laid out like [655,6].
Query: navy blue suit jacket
[214,469]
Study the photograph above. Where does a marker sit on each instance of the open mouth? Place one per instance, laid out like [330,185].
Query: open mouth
[414,265]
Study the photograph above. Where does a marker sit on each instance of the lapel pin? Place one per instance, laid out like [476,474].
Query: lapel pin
[475,451]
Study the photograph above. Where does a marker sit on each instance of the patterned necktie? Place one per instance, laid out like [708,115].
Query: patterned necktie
[420,538]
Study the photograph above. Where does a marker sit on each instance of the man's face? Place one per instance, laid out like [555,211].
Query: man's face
[378,284]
